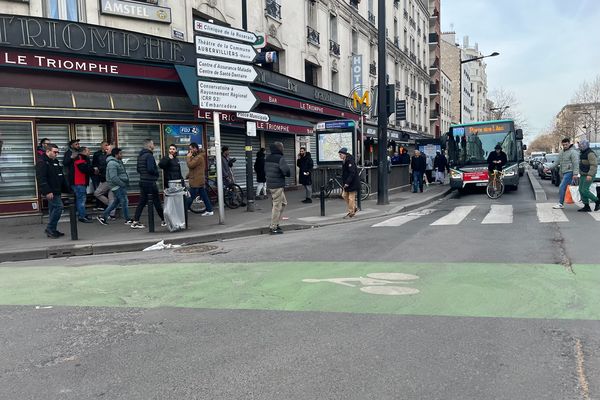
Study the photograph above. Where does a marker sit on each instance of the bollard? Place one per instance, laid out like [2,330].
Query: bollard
[358,196]
[322,200]
[73,217]
[185,210]
[151,213]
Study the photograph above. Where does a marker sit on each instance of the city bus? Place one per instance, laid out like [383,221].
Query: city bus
[469,145]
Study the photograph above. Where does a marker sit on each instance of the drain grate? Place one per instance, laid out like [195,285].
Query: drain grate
[196,248]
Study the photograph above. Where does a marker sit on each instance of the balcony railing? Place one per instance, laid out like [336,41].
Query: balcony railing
[397,41]
[313,36]
[405,14]
[354,3]
[413,57]
[398,85]
[433,88]
[425,101]
[413,94]
[373,68]
[273,9]
[434,114]
[334,48]
[412,22]
[371,17]
[406,90]
[420,97]
[397,3]
[433,37]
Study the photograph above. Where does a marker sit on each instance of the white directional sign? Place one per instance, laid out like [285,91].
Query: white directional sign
[223,31]
[223,96]
[254,116]
[225,70]
[223,49]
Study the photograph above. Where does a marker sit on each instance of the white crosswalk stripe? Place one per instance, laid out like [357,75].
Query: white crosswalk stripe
[455,217]
[547,214]
[499,214]
[402,219]
[595,215]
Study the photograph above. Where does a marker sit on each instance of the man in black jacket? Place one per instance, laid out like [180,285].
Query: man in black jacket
[496,160]
[440,164]
[276,169]
[305,166]
[52,183]
[149,174]
[418,164]
[69,159]
[351,181]
[170,164]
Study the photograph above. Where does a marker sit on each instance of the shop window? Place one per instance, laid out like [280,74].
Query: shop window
[90,135]
[57,133]
[131,140]
[17,162]
[70,10]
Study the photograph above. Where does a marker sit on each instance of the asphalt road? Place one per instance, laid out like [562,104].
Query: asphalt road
[458,300]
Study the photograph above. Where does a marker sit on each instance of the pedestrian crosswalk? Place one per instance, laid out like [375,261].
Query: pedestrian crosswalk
[495,214]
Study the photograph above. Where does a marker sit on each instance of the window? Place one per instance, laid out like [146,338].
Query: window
[131,140]
[70,10]
[311,73]
[354,41]
[312,14]
[335,82]
[17,163]
[333,27]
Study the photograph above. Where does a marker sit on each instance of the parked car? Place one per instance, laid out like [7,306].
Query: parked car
[535,161]
[555,179]
[546,165]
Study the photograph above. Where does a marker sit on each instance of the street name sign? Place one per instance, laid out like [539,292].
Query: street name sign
[225,32]
[223,96]
[225,70]
[223,49]
[254,116]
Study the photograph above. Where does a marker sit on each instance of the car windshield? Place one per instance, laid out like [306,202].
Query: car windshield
[475,148]
[551,158]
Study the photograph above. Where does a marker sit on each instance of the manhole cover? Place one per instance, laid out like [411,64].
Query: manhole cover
[197,248]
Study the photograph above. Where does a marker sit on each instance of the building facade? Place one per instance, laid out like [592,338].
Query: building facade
[450,62]
[435,69]
[445,102]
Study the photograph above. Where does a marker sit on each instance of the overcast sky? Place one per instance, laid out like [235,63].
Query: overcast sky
[547,48]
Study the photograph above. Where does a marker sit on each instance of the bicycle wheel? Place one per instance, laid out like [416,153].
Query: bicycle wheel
[365,190]
[234,196]
[494,189]
[197,206]
[329,188]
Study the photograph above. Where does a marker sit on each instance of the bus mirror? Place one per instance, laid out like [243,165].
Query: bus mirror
[519,134]
[524,147]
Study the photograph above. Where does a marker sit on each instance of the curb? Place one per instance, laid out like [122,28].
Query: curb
[538,191]
[88,249]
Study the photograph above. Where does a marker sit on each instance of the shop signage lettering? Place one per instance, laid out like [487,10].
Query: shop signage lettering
[300,105]
[30,33]
[17,59]
[136,10]
[260,125]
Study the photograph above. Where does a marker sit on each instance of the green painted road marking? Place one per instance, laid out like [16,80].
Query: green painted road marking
[479,290]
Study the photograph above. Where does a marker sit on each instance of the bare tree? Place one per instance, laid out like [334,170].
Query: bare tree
[504,105]
[587,99]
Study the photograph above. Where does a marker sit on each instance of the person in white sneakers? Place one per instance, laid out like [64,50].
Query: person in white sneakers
[118,180]
[568,168]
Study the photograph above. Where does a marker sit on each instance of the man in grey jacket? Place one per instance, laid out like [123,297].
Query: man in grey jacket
[276,169]
[118,180]
[568,168]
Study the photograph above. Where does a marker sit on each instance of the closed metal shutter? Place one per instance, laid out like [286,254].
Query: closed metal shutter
[236,140]
[289,152]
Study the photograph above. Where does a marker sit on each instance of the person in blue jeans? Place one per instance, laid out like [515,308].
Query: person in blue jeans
[418,164]
[52,183]
[196,162]
[568,167]
[117,178]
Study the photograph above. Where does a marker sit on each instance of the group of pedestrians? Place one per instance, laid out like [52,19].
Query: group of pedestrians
[577,168]
[422,168]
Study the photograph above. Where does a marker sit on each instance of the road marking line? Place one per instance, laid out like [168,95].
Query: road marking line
[455,217]
[499,214]
[335,216]
[402,219]
[546,213]
[595,215]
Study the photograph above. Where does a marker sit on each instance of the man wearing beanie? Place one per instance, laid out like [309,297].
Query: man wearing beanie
[351,181]
[588,165]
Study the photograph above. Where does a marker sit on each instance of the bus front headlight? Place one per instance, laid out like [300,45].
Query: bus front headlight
[511,171]
[454,174]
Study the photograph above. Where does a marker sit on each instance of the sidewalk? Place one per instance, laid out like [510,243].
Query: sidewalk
[29,242]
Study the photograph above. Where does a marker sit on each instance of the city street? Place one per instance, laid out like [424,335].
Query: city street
[464,298]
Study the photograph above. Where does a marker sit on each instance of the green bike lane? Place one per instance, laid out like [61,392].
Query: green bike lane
[429,289]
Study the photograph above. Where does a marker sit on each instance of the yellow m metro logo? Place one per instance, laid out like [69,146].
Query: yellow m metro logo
[357,100]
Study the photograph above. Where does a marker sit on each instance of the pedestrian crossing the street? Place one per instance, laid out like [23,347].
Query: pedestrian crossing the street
[495,214]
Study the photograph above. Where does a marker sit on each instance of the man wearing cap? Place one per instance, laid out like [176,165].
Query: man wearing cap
[496,160]
[588,165]
[351,181]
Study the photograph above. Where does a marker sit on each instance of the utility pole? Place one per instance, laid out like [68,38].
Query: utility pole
[248,147]
[382,116]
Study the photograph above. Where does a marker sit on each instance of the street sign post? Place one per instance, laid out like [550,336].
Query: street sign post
[223,49]
[254,116]
[226,97]
[225,70]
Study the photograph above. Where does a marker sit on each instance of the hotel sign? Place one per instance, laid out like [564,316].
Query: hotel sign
[136,9]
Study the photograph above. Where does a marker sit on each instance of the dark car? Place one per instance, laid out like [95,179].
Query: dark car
[555,179]
[546,165]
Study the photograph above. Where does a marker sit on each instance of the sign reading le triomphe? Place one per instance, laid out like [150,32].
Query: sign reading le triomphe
[223,96]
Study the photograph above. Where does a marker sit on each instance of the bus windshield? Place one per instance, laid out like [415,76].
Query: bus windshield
[470,144]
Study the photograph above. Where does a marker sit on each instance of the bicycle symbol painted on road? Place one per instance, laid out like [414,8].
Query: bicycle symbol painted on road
[384,283]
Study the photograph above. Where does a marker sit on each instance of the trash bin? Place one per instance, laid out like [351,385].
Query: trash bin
[174,209]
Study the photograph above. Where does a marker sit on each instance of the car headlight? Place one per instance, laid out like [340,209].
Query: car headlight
[510,171]
[454,174]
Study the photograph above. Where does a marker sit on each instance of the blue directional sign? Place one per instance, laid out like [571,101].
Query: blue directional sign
[339,124]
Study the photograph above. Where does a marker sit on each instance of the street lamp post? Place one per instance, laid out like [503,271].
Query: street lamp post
[460,88]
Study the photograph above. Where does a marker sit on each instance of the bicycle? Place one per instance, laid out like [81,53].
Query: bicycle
[495,186]
[335,185]
[233,194]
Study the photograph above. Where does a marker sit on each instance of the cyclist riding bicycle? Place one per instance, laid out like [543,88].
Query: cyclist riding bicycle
[496,160]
